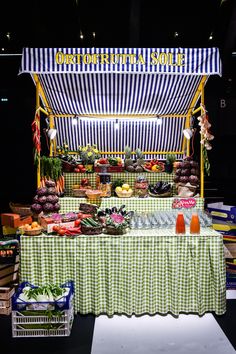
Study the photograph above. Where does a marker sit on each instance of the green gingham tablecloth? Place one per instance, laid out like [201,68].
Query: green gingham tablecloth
[141,272]
[75,178]
[136,204]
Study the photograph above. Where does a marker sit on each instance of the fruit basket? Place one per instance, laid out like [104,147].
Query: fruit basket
[93,194]
[79,192]
[91,230]
[111,230]
[33,232]
[167,194]
[21,209]
[161,169]
[124,194]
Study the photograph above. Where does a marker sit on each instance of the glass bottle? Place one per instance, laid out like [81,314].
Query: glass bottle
[195,224]
[180,224]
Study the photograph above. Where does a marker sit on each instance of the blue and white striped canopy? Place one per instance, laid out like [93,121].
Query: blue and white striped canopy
[120,82]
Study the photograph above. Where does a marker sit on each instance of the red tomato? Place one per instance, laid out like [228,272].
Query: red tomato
[77,222]
[76,170]
[83,170]
[56,228]
[80,166]
[61,232]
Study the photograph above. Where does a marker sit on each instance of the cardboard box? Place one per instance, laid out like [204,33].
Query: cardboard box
[15,220]
[223,212]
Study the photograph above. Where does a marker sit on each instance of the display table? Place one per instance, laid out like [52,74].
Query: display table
[149,204]
[151,271]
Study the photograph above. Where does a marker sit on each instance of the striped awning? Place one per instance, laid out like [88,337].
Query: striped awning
[117,82]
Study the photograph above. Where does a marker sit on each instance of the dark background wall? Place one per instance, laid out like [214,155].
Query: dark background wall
[131,24]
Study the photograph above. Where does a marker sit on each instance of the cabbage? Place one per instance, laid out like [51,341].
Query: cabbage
[50,184]
[52,190]
[42,199]
[52,199]
[36,208]
[193,180]
[184,179]
[185,172]
[56,207]
[48,207]
[42,191]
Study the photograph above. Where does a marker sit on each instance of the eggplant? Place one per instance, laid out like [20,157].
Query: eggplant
[114,209]
[159,185]
[165,189]
[108,211]
[151,188]
[121,208]
[101,213]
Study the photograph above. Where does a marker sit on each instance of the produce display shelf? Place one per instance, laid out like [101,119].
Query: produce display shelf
[148,204]
[128,177]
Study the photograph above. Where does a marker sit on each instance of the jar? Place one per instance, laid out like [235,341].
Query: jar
[141,187]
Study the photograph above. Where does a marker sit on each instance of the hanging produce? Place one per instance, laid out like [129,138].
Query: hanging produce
[36,137]
[206,138]
[51,172]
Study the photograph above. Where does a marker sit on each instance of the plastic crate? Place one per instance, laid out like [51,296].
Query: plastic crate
[64,303]
[39,324]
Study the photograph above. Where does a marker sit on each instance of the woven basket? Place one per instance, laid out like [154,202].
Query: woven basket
[91,230]
[21,209]
[110,230]
[33,232]
[81,193]
[67,166]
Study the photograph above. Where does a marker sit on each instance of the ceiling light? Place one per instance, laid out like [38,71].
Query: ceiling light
[116,125]
[74,121]
[81,36]
[94,34]
[188,133]
[52,133]
[211,36]
[176,34]
[159,121]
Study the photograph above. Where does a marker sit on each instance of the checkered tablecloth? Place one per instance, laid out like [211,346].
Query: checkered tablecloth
[136,204]
[75,178]
[141,272]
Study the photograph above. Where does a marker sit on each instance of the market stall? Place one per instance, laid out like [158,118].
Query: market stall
[111,99]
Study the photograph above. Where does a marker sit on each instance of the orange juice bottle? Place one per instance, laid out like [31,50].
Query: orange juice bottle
[195,224]
[180,224]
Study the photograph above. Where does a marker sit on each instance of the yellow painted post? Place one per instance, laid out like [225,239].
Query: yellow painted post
[51,126]
[201,147]
[37,107]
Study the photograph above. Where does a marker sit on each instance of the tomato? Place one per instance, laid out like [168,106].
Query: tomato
[56,228]
[77,222]
[83,170]
[77,170]
[80,166]
[61,232]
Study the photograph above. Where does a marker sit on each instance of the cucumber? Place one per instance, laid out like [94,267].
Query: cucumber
[93,222]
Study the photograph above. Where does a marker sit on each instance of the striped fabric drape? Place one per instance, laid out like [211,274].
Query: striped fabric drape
[147,135]
[120,81]
[118,94]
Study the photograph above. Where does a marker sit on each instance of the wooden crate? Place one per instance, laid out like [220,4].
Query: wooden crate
[5,299]
[9,272]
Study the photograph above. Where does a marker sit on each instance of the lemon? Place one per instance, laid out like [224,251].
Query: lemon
[118,189]
[130,190]
[125,187]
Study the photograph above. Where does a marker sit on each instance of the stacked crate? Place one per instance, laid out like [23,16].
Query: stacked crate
[224,221]
[9,269]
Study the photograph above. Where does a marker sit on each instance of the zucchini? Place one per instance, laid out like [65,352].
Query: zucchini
[93,222]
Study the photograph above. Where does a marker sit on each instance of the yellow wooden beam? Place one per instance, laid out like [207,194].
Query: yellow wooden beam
[133,152]
[104,116]
[37,107]
[49,113]
[201,148]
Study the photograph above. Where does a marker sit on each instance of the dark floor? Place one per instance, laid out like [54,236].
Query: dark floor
[80,340]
